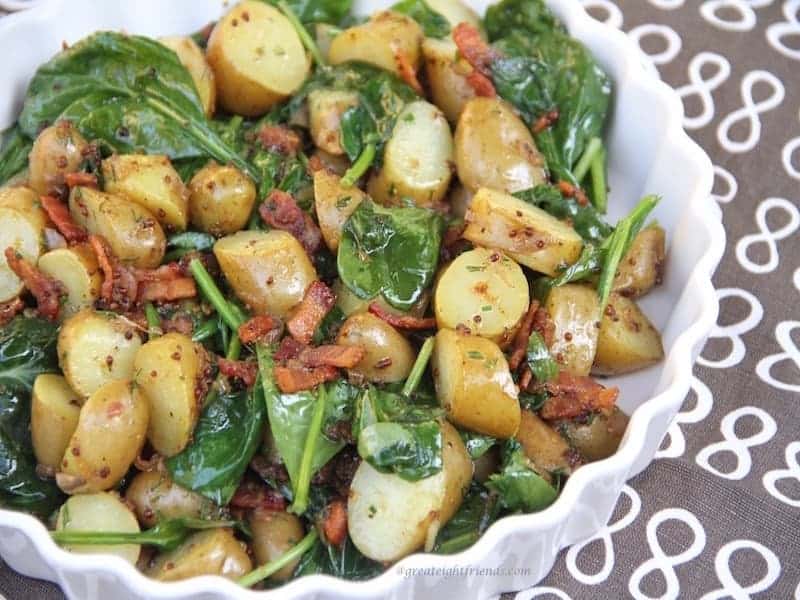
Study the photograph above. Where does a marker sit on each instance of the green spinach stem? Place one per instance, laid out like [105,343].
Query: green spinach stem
[234,347]
[302,32]
[359,167]
[304,475]
[230,313]
[276,565]
[599,189]
[153,321]
[594,146]
[415,376]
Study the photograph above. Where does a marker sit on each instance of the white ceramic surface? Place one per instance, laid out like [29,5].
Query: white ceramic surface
[649,152]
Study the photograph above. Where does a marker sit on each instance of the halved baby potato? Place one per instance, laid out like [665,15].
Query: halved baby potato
[76,269]
[192,57]
[20,232]
[221,199]
[544,446]
[641,268]
[575,312]
[447,77]
[154,496]
[54,416]
[26,201]
[57,150]
[209,552]
[388,355]
[334,204]
[325,109]
[600,437]
[274,533]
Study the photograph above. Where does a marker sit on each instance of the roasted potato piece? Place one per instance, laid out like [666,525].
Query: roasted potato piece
[209,552]
[167,370]
[525,232]
[628,341]
[484,291]
[641,268]
[417,159]
[221,199]
[336,164]
[379,42]
[600,437]
[109,436]
[544,446]
[151,182]
[388,355]
[389,517]
[20,232]
[103,511]
[455,12]
[192,57]
[257,58]
[57,150]
[334,204]
[76,268]
[494,148]
[447,77]
[132,232]
[95,348]
[474,385]
[323,35]
[575,311]
[54,417]
[154,496]
[275,532]
[351,304]
[26,201]
[325,110]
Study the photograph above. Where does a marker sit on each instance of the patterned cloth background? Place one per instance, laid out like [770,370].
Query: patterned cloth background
[717,515]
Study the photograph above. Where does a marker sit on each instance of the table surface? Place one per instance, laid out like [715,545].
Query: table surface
[716,515]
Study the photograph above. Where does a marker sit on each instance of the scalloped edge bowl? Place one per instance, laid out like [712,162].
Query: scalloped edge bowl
[649,152]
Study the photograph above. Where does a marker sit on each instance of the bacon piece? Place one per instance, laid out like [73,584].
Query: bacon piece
[543,324]
[317,302]
[81,179]
[254,495]
[10,309]
[120,286]
[178,324]
[334,524]
[259,329]
[481,85]
[245,371]
[166,290]
[293,378]
[315,164]
[289,349]
[520,345]
[279,138]
[407,72]
[453,243]
[46,290]
[333,355]
[474,49]
[545,121]
[574,395]
[280,211]
[59,215]
[401,321]
[570,191]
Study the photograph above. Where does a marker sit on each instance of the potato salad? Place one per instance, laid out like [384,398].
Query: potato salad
[308,292]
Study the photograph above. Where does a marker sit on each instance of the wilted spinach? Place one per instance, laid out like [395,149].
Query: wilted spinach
[318,11]
[433,24]
[344,561]
[519,487]
[478,510]
[476,444]
[13,153]
[539,360]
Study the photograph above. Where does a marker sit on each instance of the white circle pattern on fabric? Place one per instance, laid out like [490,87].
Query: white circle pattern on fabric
[771,478]
[783,335]
[734,331]
[540,591]
[768,236]
[797,279]
[665,563]
[790,27]
[733,444]
[668,54]
[751,111]
[667,4]
[732,588]
[787,156]
[731,185]
[702,408]
[604,536]
[703,87]
[746,17]
[612,11]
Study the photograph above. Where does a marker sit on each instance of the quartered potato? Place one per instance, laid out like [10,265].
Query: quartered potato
[495,149]
[110,434]
[103,512]
[269,271]
[525,232]
[132,232]
[334,204]
[325,110]
[221,199]
[54,417]
[474,385]
[389,517]
[544,446]
[575,312]
[151,182]
[95,348]
[641,268]
[447,77]
[26,201]
[208,552]
[57,150]
[167,370]
[628,341]
[384,40]
[154,496]
[20,232]
[192,57]
[484,291]
[257,58]
[417,160]
[600,437]
[388,355]
[76,269]
[274,533]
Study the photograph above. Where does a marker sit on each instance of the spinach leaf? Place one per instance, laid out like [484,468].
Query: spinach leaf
[27,349]
[540,362]
[13,153]
[478,510]
[226,437]
[526,15]
[182,243]
[131,92]
[390,251]
[340,406]
[433,24]
[345,562]
[476,444]
[518,485]
[318,11]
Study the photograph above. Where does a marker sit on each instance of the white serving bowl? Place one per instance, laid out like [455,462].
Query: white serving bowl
[649,153]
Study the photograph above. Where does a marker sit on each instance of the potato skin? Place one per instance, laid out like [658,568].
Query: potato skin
[110,434]
[257,58]
[151,182]
[389,517]
[598,439]
[132,232]
[474,384]
[167,370]
[455,11]
[96,348]
[26,201]
[192,57]
[544,446]
[155,496]
[54,416]
[325,108]
[57,150]
[484,291]
[641,268]
[575,312]
[383,345]
[274,532]
[221,199]
[76,268]
[20,232]
[334,204]
[269,271]
[628,341]
[447,77]
[209,552]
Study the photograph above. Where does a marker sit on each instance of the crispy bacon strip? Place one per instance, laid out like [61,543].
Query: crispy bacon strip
[574,395]
[46,290]
[259,328]
[280,211]
[120,287]
[292,378]
[254,495]
[317,302]
[479,55]
[401,321]
[334,524]
[245,371]
[520,345]
[333,355]
[59,215]
[545,121]
[481,85]
[279,138]
[570,191]
[10,309]
[289,349]
[81,179]
[166,290]
[407,72]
